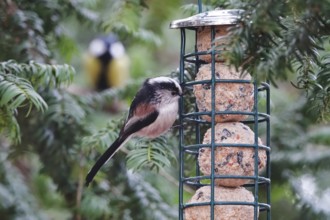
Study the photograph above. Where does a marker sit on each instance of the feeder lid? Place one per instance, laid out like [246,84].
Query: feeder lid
[208,18]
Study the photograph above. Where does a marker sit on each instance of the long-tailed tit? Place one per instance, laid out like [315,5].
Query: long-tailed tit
[152,112]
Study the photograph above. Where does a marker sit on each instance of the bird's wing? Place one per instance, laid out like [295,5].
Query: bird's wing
[143,117]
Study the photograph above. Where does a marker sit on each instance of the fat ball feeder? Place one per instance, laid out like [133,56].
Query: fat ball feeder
[232,163]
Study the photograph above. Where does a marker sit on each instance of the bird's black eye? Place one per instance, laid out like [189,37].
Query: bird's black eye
[174,93]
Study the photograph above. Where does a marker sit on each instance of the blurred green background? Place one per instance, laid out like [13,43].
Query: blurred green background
[53,126]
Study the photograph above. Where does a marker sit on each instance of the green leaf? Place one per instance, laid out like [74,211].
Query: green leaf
[154,154]
[39,75]
[16,91]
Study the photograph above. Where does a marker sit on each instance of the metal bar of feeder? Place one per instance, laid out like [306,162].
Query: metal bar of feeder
[181,132]
[213,84]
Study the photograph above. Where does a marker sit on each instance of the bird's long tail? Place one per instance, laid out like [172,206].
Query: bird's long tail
[120,141]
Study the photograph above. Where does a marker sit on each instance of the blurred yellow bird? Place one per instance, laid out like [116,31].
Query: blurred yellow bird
[106,63]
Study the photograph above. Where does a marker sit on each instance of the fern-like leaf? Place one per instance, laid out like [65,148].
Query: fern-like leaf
[40,75]
[16,92]
[154,154]
[19,86]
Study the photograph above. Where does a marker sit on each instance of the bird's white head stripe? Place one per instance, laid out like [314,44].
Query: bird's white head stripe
[97,47]
[117,50]
[162,79]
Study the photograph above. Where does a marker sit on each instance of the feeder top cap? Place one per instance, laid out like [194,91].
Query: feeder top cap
[209,18]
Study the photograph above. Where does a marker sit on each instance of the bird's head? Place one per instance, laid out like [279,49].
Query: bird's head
[166,89]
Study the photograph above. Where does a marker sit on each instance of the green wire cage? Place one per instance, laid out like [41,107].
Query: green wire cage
[231,124]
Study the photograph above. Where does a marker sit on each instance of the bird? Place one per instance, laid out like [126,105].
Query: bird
[152,112]
[106,63]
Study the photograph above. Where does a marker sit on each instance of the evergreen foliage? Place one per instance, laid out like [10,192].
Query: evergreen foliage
[19,84]
[47,137]
[277,38]
[50,136]
[289,41]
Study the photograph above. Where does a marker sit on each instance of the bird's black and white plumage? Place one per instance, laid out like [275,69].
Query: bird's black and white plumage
[152,112]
